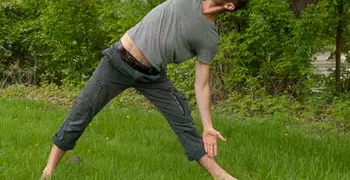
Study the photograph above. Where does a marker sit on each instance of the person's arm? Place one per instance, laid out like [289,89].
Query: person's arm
[202,90]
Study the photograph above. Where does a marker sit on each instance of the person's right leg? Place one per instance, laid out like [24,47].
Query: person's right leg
[106,82]
[174,106]
[214,169]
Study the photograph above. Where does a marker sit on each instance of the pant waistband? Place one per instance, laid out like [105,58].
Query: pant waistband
[133,62]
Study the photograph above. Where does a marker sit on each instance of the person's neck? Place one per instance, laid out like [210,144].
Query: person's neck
[210,10]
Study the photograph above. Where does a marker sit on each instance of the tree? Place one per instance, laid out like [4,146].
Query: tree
[342,26]
[299,5]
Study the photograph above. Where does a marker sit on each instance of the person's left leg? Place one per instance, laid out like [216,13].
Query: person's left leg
[106,82]
[174,106]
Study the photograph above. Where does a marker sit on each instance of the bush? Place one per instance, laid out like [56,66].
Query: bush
[19,58]
[59,41]
[272,49]
[73,38]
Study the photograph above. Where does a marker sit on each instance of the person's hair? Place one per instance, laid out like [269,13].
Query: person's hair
[239,4]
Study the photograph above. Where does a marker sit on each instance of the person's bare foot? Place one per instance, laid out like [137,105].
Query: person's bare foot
[47,174]
[226,177]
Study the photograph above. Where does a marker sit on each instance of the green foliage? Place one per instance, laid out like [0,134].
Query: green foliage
[118,17]
[260,105]
[60,41]
[274,51]
[73,36]
[339,112]
[18,41]
[183,77]
[265,50]
[316,108]
[346,30]
[65,94]
[60,96]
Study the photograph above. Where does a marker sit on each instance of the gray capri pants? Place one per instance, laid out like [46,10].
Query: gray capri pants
[112,76]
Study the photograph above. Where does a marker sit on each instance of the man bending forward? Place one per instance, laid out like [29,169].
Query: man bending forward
[173,32]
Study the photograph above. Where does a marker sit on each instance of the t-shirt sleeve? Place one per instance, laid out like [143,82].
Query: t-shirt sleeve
[207,52]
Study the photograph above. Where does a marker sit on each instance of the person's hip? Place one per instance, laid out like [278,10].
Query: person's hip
[122,60]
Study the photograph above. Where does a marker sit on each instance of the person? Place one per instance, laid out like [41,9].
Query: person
[172,32]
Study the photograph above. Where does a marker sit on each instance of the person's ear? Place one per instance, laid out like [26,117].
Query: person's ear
[230,6]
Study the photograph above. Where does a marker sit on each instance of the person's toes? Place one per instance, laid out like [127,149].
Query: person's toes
[46,174]
[226,177]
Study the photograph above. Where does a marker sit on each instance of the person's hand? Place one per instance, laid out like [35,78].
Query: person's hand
[210,137]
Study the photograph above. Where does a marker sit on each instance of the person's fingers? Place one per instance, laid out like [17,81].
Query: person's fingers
[208,152]
[215,149]
[206,148]
[221,137]
[211,149]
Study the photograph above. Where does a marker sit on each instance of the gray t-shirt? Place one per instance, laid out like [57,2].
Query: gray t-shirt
[176,31]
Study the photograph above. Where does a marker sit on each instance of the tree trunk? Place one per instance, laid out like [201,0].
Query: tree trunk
[338,44]
[299,5]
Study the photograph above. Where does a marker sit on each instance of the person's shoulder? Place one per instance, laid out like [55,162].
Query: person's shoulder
[187,6]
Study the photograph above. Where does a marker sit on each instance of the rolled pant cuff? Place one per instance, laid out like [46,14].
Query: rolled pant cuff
[196,155]
[62,145]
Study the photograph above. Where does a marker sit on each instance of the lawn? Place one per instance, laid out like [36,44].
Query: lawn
[131,143]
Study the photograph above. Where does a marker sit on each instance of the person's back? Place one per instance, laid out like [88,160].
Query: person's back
[175,31]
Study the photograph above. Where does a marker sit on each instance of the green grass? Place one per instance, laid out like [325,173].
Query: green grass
[143,147]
